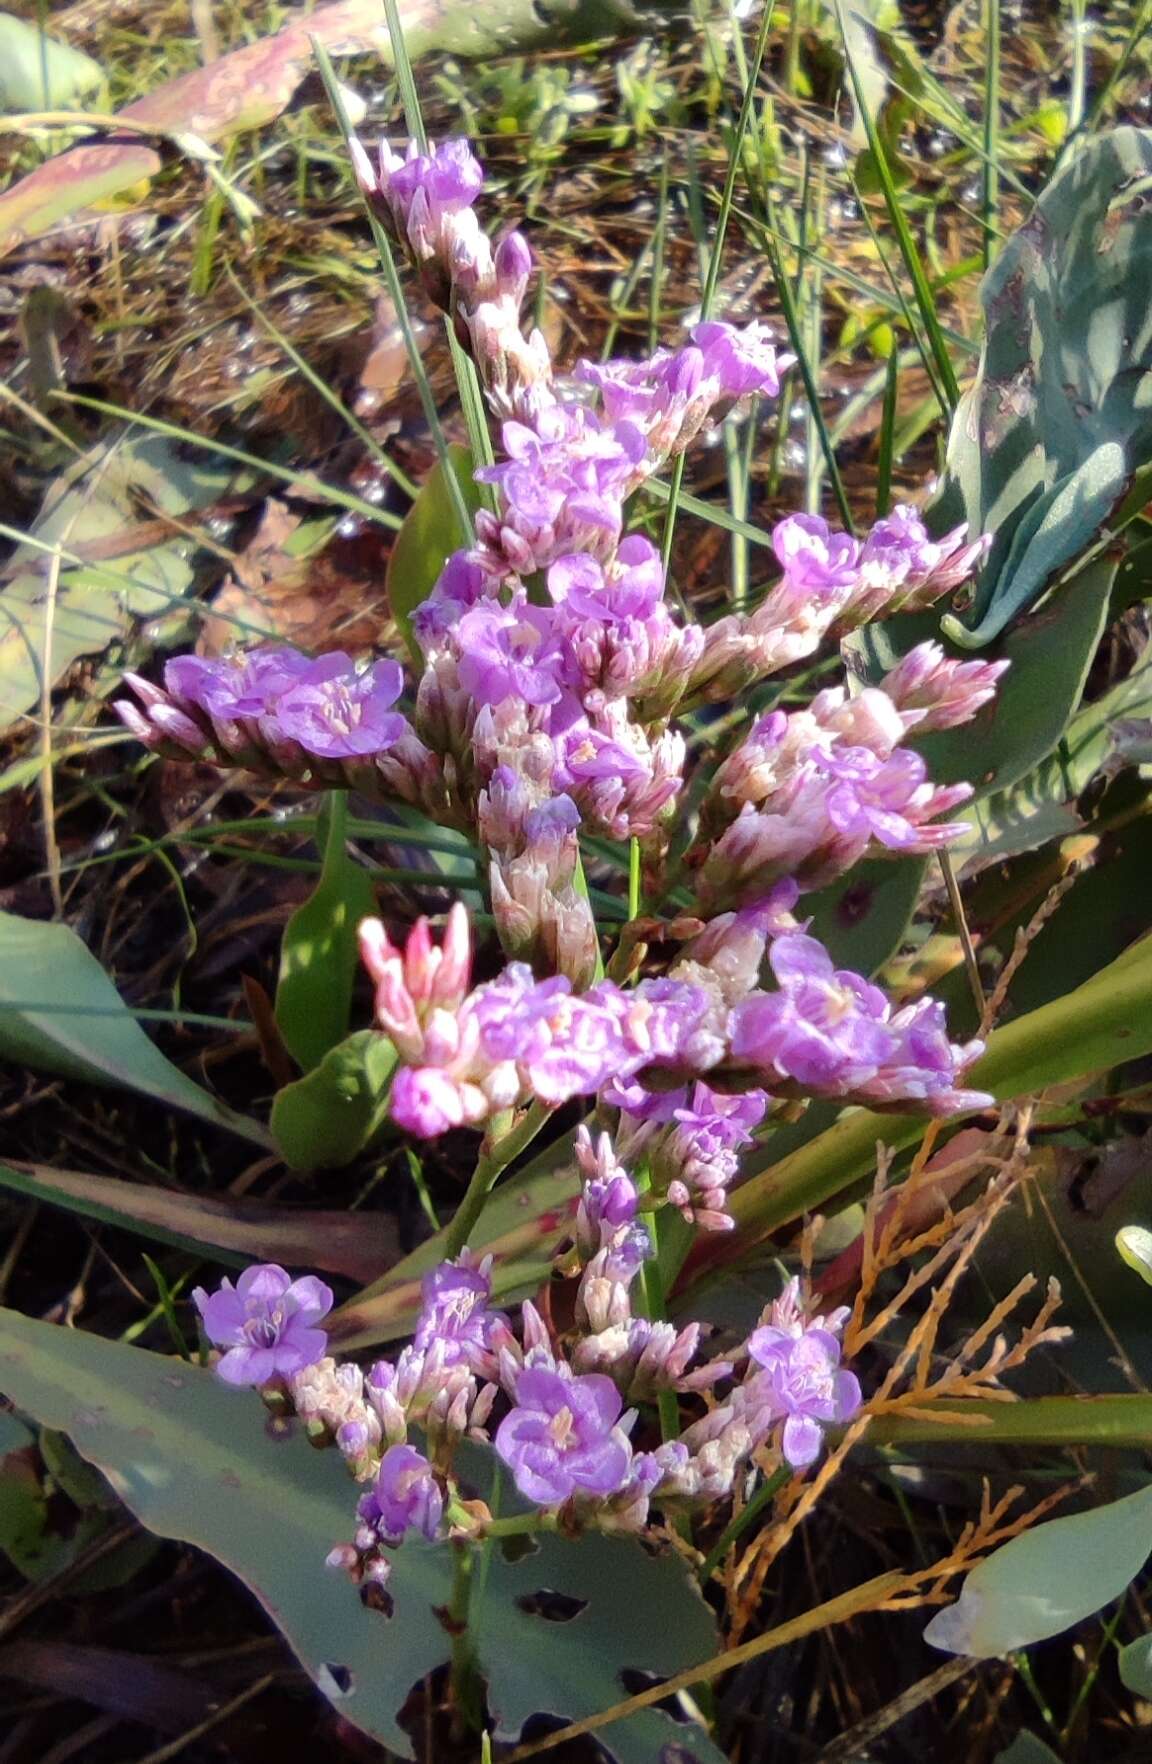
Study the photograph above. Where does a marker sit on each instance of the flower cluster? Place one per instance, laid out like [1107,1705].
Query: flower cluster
[471,1053]
[564,1432]
[551,674]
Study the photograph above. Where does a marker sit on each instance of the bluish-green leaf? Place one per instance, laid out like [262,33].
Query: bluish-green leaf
[1045,1581]
[60,1013]
[327,1118]
[1136,1666]
[1058,526]
[1027,1749]
[38,72]
[319,955]
[1062,396]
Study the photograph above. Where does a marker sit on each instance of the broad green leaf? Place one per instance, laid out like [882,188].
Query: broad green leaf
[92,511]
[1059,525]
[427,539]
[1136,1666]
[60,1013]
[236,1230]
[327,1118]
[1050,653]
[1096,1026]
[319,955]
[1101,737]
[1063,385]
[1052,1577]
[1027,1749]
[862,918]
[37,72]
[197,1461]
[1134,1243]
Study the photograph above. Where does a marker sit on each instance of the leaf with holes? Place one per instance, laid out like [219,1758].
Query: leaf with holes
[197,1461]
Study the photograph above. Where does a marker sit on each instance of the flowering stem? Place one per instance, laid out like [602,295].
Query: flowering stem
[655,1302]
[464,1683]
[495,1157]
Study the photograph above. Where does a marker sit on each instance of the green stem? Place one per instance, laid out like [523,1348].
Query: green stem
[737,1527]
[495,1157]
[1056,1421]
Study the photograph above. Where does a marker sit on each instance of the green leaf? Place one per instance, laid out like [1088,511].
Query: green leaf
[1052,1577]
[1136,1666]
[1134,1244]
[328,1118]
[425,542]
[1059,525]
[94,507]
[199,1462]
[1059,419]
[1124,1420]
[1026,1749]
[319,955]
[39,73]
[1096,1026]
[1050,654]
[59,1012]
[234,1229]
[862,917]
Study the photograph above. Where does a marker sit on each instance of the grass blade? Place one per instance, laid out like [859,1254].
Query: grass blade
[908,250]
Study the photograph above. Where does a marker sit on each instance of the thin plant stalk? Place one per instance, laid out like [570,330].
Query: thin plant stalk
[403,318]
[716,255]
[990,183]
[912,259]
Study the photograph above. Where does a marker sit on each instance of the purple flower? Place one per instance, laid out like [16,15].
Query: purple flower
[562,1437]
[455,1313]
[404,1497]
[741,361]
[562,488]
[828,1032]
[509,652]
[461,584]
[932,692]
[902,567]
[235,686]
[814,556]
[801,1377]
[266,1323]
[337,711]
[448,179]
[890,800]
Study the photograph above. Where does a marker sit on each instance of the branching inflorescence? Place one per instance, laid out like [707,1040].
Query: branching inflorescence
[554,672]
